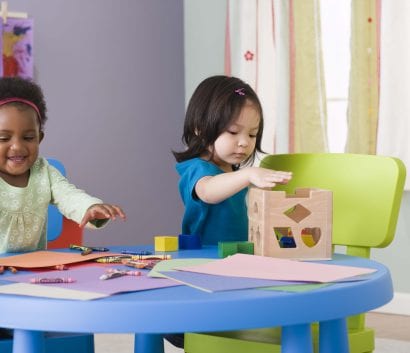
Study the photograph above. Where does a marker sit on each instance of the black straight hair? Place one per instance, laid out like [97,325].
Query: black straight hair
[215,104]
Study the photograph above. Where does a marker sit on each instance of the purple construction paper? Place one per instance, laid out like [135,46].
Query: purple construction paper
[88,279]
[216,283]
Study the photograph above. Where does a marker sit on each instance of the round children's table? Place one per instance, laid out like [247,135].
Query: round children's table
[150,314]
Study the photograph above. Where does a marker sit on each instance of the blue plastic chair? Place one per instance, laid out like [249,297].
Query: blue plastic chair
[57,342]
[55,218]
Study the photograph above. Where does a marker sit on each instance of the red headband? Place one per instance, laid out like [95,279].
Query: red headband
[25,101]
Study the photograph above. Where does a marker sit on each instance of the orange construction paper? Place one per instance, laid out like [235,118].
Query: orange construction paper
[38,259]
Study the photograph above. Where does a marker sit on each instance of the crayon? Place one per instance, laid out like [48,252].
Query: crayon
[12,269]
[88,249]
[126,272]
[61,267]
[110,275]
[44,280]
[148,264]
[85,250]
[114,273]
[135,264]
[151,257]
[1,270]
[112,259]
[143,252]
[98,248]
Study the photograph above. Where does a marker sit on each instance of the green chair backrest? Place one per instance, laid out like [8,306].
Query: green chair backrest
[367,192]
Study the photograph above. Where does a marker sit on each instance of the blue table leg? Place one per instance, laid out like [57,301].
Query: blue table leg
[297,339]
[25,341]
[333,336]
[148,343]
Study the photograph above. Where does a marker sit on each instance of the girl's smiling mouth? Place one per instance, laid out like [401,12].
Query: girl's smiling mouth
[17,159]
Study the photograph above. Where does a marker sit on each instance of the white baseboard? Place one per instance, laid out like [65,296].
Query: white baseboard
[399,305]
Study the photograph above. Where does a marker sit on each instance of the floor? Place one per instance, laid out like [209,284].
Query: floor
[390,326]
[392,335]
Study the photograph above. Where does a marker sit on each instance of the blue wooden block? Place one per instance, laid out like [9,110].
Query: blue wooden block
[287,242]
[189,241]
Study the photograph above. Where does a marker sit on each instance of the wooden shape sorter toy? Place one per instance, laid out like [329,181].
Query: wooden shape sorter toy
[294,226]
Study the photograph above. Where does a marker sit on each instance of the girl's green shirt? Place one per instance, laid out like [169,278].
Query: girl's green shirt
[23,211]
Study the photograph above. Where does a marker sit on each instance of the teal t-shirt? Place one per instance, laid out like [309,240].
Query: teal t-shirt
[225,221]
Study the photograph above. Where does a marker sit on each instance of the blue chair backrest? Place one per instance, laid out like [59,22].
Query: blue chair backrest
[55,218]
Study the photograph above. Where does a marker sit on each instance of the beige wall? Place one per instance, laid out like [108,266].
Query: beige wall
[204,52]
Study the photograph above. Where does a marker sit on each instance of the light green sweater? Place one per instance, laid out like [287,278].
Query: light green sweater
[23,211]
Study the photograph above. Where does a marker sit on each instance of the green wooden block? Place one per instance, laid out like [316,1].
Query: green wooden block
[227,248]
[246,247]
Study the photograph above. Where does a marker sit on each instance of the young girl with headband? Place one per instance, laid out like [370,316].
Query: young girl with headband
[28,184]
[222,133]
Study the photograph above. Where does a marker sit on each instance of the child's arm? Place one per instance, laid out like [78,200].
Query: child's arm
[102,211]
[77,205]
[215,189]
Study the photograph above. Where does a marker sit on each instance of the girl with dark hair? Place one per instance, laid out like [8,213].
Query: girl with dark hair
[222,133]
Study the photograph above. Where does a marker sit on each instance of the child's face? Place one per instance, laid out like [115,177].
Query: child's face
[20,137]
[237,143]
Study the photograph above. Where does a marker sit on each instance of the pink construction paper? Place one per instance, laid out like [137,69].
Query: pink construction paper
[253,266]
[88,279]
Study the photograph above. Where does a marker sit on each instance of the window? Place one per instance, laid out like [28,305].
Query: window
[335,22]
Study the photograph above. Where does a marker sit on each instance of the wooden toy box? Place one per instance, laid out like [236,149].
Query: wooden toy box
[297,226]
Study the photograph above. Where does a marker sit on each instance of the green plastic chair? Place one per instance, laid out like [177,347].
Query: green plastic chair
[367,193]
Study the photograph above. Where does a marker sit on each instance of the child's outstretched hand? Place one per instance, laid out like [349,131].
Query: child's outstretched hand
[102,211]
[268,178]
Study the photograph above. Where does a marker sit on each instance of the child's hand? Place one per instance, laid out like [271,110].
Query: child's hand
[102,211]
[268,178]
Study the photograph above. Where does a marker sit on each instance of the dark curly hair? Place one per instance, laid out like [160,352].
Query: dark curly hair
[214,105]
[17,87]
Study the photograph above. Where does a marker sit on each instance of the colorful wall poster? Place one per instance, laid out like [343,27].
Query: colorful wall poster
[18,48]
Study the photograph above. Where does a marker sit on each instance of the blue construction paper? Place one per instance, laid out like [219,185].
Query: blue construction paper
[215,283]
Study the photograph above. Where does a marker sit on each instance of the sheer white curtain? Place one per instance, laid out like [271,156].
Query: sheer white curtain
[250,55]
[394,111]
[275,46]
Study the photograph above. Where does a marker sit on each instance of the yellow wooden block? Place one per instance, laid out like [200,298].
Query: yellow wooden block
[166,243]
[308,240]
